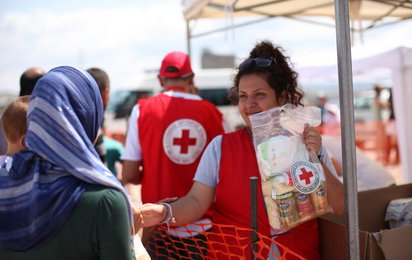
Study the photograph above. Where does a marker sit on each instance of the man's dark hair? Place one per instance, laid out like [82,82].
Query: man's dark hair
[101,78]
[29,79]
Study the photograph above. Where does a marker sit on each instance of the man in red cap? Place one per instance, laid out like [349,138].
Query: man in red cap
[166,136]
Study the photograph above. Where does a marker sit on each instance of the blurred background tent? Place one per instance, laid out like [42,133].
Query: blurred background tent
[397,64]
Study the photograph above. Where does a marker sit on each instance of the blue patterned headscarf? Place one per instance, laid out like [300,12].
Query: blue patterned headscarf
[46,180]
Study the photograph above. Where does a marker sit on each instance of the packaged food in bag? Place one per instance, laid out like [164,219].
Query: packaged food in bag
[293,181]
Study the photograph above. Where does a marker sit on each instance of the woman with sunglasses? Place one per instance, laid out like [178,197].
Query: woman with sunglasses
[263,81]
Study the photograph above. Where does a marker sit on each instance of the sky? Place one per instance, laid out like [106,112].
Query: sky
[128,37]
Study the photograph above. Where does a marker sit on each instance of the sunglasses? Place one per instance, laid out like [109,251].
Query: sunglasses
[262,62]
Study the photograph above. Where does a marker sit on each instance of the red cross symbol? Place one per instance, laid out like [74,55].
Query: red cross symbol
[184,141]
[305,176]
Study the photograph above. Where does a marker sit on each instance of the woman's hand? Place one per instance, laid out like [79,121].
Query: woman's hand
[137,219]
[152,214]
[312,139]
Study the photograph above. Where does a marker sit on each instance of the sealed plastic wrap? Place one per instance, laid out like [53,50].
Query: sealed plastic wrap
[399,212]
[293,181]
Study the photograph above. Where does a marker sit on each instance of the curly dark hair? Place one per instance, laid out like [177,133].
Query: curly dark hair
[279,75]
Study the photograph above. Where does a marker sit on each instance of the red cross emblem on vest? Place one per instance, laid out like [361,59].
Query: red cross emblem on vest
[184,141]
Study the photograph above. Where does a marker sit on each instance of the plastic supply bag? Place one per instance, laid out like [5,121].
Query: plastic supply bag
[293,181]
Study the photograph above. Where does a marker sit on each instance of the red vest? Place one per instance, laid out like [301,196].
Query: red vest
[232,206]
[173,133]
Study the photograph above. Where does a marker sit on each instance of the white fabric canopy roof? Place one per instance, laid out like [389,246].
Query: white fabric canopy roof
[377,12]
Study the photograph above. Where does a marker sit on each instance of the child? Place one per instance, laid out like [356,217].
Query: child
[14,126]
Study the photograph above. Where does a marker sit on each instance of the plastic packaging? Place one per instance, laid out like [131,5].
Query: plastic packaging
[399,212]
[293,182]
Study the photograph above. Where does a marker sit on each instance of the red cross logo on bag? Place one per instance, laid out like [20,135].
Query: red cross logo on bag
[306,176]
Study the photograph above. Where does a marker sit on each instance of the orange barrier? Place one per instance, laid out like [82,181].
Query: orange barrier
[369,136]
[117,135]
[220,242]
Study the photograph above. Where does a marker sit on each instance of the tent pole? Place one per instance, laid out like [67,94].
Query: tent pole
[188,39]
[344,56]
[253,215]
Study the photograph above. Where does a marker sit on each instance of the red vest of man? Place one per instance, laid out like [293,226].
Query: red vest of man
[173,134]
[232,205]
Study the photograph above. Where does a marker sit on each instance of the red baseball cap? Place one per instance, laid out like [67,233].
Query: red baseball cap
[176,65]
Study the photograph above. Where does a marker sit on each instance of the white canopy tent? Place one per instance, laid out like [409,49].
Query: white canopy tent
[376,12]
[364,14]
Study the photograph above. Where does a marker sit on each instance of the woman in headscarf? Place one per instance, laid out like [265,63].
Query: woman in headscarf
[58,200]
